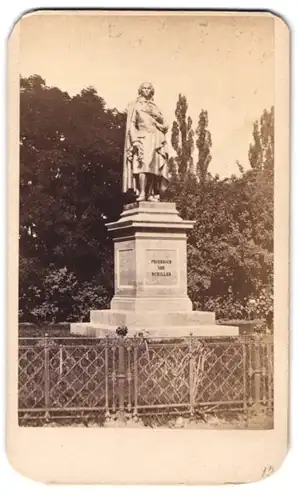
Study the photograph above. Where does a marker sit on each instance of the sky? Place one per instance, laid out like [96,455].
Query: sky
[222,64]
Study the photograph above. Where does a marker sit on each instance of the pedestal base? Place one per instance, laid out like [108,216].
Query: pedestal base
[154,324]
[147,305]
[150,279]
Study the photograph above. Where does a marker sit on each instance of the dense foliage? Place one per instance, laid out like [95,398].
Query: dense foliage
[71,151]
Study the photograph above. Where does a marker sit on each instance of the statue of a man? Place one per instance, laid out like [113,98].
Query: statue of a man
[145,156]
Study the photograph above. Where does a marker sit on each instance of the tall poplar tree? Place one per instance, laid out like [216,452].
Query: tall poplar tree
[203,144]
[182,138]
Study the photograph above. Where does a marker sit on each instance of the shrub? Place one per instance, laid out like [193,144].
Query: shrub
[61,297]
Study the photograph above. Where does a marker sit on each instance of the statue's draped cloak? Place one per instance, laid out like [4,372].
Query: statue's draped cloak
[150,136]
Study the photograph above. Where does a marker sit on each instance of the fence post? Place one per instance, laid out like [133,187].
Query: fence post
[129,378]
[257,375]
[245,374]
[106,378]
[270,376]
[191,377]
[113,377]
[135,411]
[47,378]
[121,378]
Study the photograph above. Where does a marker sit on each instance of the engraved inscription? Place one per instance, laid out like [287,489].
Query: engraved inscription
[161,267]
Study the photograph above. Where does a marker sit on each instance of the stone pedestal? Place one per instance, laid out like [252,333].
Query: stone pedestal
[150,278]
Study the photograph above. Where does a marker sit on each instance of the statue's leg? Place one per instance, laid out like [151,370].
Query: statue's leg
[136,186]
[142,187]
[135,183]
[152,192]
[149,187]
[156,188]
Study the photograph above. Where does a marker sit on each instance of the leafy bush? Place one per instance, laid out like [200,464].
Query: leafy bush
[61,297]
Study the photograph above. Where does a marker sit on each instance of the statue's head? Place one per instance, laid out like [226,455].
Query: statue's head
[146,90]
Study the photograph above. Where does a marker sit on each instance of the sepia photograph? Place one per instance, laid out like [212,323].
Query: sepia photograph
[146,221]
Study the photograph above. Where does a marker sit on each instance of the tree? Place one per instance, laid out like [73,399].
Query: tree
[261,152]
[71,166]
[182,137]
[230,250]
[203,144]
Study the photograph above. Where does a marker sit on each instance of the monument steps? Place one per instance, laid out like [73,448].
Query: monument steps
[153,318]
[171,331]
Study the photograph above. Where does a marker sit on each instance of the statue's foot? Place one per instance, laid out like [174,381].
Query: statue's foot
[141,197]
[155,197]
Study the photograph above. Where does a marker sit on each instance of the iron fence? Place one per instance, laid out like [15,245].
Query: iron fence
[68,377]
